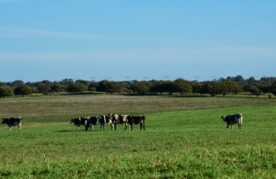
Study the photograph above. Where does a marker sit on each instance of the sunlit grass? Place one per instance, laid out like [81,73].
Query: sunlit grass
[191,143]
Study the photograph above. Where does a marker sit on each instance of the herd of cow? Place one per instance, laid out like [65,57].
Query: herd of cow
[114,119]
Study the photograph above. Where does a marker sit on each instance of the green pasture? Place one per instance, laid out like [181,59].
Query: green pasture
[192,143]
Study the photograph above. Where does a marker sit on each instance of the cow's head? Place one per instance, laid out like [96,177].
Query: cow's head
[4,120]
[223,118]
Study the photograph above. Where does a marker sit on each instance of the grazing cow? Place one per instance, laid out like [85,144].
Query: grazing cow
[136,120]
[106,119]
[233,119]
[78,122]
[119,119]
[13,121]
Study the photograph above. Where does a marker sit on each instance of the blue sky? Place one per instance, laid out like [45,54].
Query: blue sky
[142,40]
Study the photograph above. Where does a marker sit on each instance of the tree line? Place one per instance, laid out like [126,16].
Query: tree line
[222,86]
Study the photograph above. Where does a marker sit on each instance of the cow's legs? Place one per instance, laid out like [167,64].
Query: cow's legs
[141,126]
[78,128]
[9,128]
[126,125]
[92,127]
[131,125]
[227,126]
[239,126]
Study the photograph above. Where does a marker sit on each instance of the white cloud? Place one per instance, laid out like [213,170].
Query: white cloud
[38,33]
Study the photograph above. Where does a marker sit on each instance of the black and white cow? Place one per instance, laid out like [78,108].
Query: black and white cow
[136,120]
[80,121]
[233,119]
[90,122]
[13,121]
[119,119]
[106,120]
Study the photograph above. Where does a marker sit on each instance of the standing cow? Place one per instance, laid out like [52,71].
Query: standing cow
[233,119]
[87,122]
[80,121]
[119,119]
[137,120]
[13,121]
[106,119]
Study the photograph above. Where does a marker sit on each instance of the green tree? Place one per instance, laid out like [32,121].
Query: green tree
[254,90]
[17,83]
[229,87]
[142,87]
[196,87]
[273,88]
[183,86]
[103,86]
[108,86]
[114,87]
[58,88]
[43,88]
[210,87]
[5,91]
[93,86]
[76,88]
[23,90]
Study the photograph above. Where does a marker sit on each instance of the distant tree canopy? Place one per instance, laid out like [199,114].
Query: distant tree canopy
[23,90]
[43,88]
[142,87]
[183,86]
[76,88]
[273,88]
[210,87]
[222,86]
[6,91]
[108,86]
[58,87]
[253,90]
[228,86]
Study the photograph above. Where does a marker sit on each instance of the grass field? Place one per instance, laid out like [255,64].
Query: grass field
[184,138]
